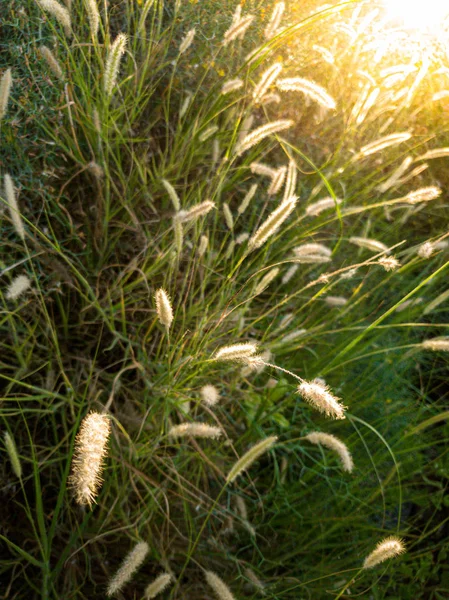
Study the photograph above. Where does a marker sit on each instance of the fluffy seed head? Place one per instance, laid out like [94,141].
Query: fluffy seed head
[60,13]
[389,183]
[272,224]
[187,41]
[113,63]
[387,548]
[277,181]
[221,590]
[17,287]
[249,457]
[238,352]
[204,242]
[13,207]
[13,455]
[275,19]
[319,396]
[179,233]
[436,344]
[389,263]
[333,443]
[172,194]
[262,132]
[309,88]
[426,250]
[266,280]
[424,194]
[93,15]
[319,206]
[262,169]
[435,153]
[207,133]
[289,274]
[209,394]
[267,78]
[237,29]
[127,569]
[229,219]
[271,98]
[257,583]
[163,308]
[312,248]
[52,62]
[247,199]
[158,585]
[335,301]
[369,244]
[199,430]
[5,88]
[382,143]
[88,457]
[231,86]
[197,211]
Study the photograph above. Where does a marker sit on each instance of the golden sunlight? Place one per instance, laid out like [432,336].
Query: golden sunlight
[418,14]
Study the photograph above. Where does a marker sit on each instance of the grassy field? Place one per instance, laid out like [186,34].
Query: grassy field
[132,160]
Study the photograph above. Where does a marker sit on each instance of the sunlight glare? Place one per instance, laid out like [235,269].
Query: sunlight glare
[418,14]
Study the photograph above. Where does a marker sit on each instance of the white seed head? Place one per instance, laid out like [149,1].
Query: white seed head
[267,78]
[127,569]
[382,143]
[319,206]
[13,207]
[275,20]
[238,352]
[435,153]
[262,169]
[272,224]
[93,15]
[113,63]
[436,344]
[179,233]
[289,273]
[319,396]
[333,443]
[247,199]
[221,590]
[237,30]
[52,62]
[277,181]
[199,430]
[309,88]
[312,248]
[229,219]
[262,132]
[5,88]
[271,98]
[17,287]
[266,280]
[172,194]
[197,211]
[207,133]
[387,548]
[88,457]
[250,456]
[389,263]
[335,301]
[158,585]
[231,86]
[209,395]
[60,13]
[424,194]
[187,41]
[426,250]
[369,244]
[163,308]
[204,242]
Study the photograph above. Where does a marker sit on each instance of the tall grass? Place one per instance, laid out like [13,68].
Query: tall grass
[129,166]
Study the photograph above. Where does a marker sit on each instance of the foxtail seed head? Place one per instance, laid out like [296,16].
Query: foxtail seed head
[13,207]
[221,590]
[319,396]
[128,567]
[60,13]
[13,455]
[5,88]
[52,62]
[209,394]
[158,585]
[199,430]
[388,548]
[238,352]
[249,457]
[333,443]
[272,224]
[17,287]
[88,457]
[163,308]
[113,63]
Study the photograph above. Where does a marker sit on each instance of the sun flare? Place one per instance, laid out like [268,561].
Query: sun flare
[419,14]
